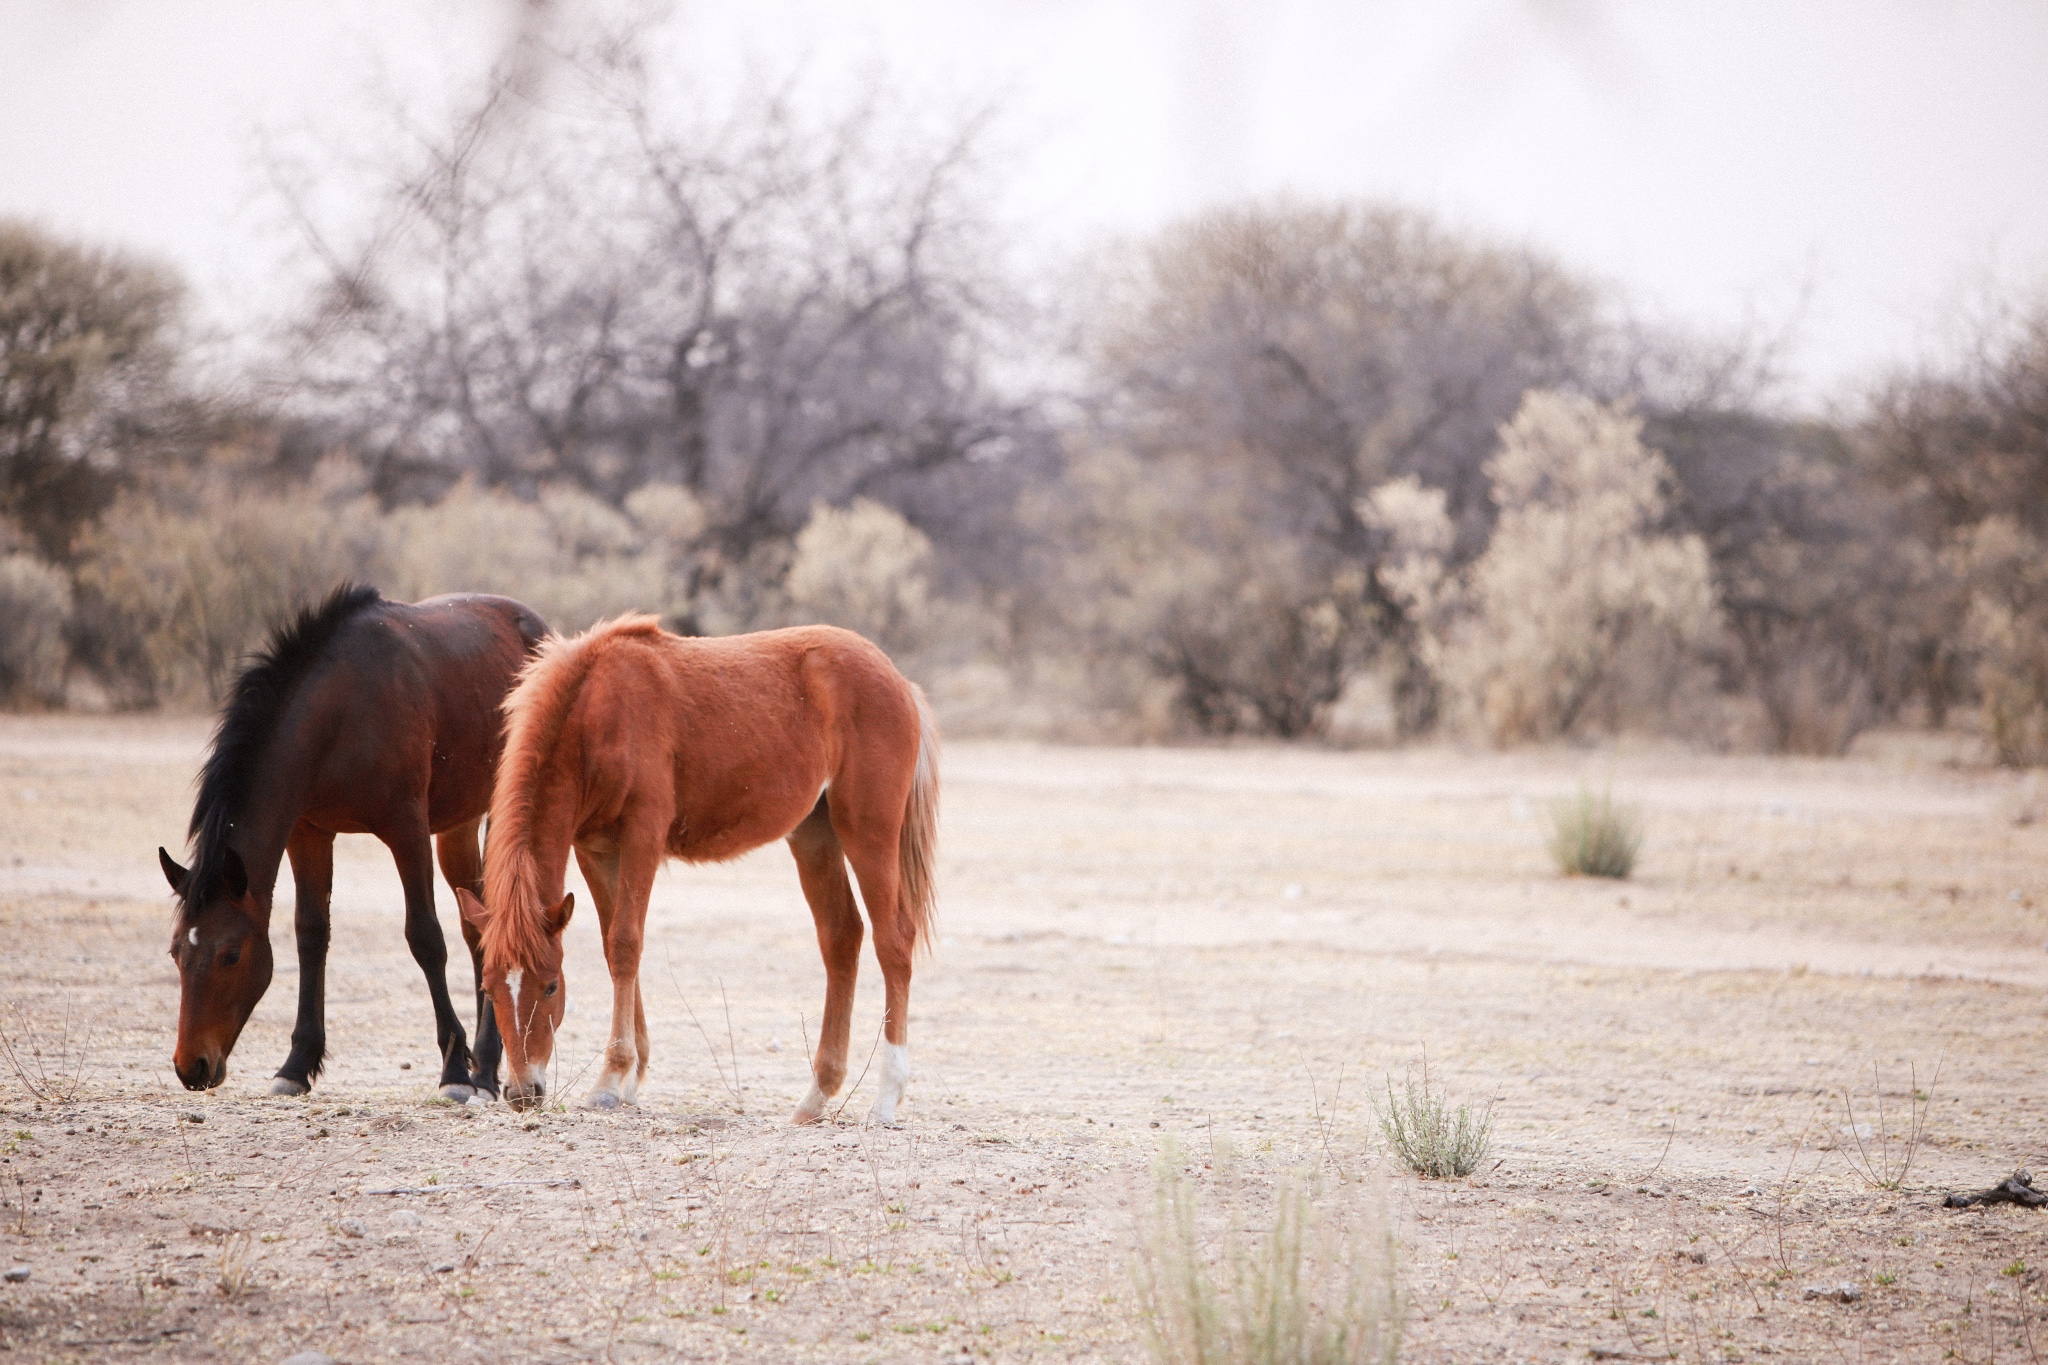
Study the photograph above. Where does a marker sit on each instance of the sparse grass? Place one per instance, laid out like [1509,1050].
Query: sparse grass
[50,1064]
[1316,1287]
[1885,1158]
[1593,836]
[1431,1140]
[237,1266]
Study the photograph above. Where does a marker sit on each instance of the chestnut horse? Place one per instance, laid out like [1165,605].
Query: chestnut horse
[629,745]
[362,716]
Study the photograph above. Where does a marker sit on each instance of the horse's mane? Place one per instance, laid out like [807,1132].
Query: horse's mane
[535,711]
[249,718]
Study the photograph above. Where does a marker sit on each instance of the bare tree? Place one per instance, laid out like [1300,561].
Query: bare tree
[767,310]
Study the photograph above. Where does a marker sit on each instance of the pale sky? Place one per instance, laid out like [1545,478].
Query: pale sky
[1846,172]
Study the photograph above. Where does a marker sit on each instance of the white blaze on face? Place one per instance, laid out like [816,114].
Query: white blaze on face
[192,936]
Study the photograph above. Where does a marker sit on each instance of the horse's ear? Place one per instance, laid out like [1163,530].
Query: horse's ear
[236,875]
[173,874]
[472,909]
[558,918]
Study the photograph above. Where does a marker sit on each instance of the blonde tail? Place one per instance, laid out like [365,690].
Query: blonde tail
[918,895]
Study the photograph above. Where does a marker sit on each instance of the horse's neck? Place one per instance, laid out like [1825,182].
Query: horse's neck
[270,810]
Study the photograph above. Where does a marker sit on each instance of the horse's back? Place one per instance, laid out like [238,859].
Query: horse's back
[413,692]
[746,731]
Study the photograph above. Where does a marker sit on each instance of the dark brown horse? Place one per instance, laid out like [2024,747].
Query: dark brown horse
[362,717]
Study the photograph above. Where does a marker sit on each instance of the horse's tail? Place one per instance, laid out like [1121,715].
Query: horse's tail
[917,894]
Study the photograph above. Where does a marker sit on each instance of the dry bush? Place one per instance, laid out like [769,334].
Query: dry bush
[35,607]
[865,568]
[2006,569]
[1180,597]
[180,595]
[1580,611]
[1316,1287]
[569,556]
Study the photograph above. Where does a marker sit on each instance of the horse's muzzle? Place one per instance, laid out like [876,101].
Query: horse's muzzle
[203,1073]
[524,1097]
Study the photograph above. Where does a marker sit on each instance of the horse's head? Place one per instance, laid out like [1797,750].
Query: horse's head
[223,957]
[523,977]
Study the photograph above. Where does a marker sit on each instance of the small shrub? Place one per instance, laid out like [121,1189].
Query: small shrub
[1315,1288]
[1431,1140]
[1593,836]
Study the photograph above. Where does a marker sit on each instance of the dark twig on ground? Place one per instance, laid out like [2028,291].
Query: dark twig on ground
[2017,1188]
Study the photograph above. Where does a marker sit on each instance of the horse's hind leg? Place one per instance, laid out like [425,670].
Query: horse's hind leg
[413,851]
[463,866]
[821,866]
[312,855]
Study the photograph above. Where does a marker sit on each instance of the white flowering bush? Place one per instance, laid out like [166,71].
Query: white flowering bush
[1580,610]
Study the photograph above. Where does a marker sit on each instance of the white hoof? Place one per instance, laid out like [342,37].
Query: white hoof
[285,1085]
[895,1079]
[601,1099]
[461,1094]
[812,1107]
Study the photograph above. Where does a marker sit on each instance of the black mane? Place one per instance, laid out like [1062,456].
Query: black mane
[253,706]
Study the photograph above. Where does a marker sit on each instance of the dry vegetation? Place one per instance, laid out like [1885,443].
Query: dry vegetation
[1229,950]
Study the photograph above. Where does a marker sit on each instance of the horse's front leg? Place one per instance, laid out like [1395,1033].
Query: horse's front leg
[621,894]
[412,849]
[312,855]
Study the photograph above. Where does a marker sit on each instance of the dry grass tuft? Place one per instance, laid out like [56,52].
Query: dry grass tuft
[237,1265]
[1317,1287]
[1593,836]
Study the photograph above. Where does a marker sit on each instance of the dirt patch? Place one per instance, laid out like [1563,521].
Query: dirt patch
[1229,949]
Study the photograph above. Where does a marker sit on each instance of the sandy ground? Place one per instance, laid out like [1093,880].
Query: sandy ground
[1230,951]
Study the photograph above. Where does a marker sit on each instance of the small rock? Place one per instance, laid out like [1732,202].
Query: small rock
[193,1116]
[15,1274]
[352,1227]
[405,1066]
[405,1218]
[444,1267]
[775,1045]
[1835,1293]
[308,1358]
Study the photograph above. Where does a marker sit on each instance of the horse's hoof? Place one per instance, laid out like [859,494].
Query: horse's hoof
[484,1095]
[459,1093]
[285,1085]
[603,1099]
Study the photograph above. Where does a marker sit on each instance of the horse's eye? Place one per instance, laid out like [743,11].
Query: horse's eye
[553,986]
[230,959]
